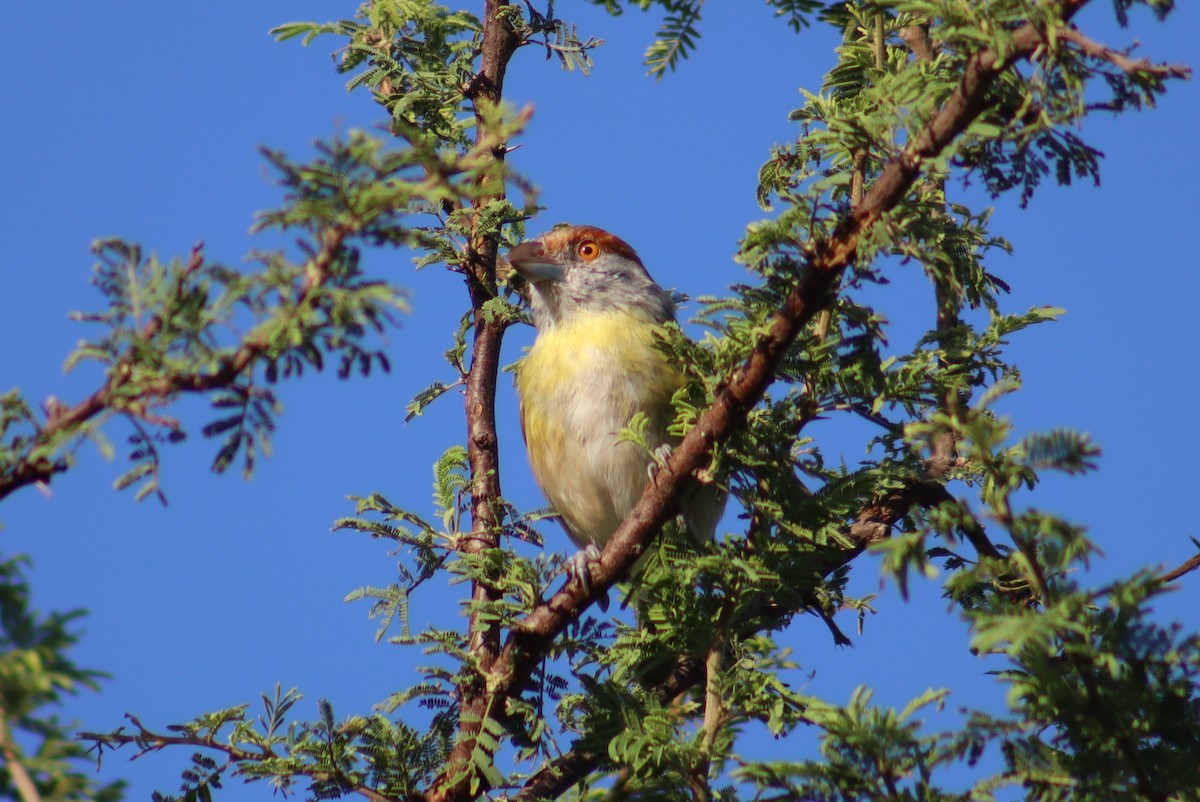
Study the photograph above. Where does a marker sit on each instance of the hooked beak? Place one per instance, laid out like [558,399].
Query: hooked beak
[530,260]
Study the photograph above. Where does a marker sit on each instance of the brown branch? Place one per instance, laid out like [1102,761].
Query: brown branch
[149,741]
[948,295]
[564,771]
[1181,571]
[529,639]
[558,775]
[917,38]
[28,469]
[1120,59]
[500,41]
[873,523]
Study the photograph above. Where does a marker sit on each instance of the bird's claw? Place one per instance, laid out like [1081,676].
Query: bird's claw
[577,566]
[658,459]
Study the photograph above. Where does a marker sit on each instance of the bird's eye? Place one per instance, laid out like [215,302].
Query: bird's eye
[588,250]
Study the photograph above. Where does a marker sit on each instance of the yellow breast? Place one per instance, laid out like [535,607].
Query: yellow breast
[580,385]
[598,349]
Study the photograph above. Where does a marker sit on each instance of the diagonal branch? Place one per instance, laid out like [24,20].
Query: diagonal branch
[1183,570]
[33,467]
[558,775]
[872,524]
[148,741]
[1121,60]
[811,293]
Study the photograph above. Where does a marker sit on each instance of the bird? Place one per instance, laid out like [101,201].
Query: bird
[594,364]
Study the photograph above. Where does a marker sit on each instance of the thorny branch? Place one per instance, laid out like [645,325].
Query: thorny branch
[809,295]
[505,667]
[873,523]
[745,388]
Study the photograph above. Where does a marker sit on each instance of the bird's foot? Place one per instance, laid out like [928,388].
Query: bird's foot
[577,566]
[658,459]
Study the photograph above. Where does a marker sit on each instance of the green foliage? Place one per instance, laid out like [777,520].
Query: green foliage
[413,55]
[870,753]
[797,12]
[37,676]
[1026,134]
[1102,697]
[332,757]
[560,38]
[1087,677]
[679,34]
[676,38]
[193,326]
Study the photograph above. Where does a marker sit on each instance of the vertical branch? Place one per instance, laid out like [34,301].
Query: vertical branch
[943,446]
[879,42]
[716,712]
[500,41]
[16,769]
[947,294]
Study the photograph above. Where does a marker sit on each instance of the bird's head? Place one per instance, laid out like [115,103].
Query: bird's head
[585,269]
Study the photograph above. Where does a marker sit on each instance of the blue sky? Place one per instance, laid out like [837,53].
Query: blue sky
[141,120]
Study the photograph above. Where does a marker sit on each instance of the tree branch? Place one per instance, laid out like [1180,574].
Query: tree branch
[149,741]
[810,294]
[873,523]
[499,43]
[558,775]
[30,468]
[1120,59]
[1183,570]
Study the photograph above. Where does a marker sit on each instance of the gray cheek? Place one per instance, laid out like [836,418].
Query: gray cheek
[581,288]
[611,283]
[545,304]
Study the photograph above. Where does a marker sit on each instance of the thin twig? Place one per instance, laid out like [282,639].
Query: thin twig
[149,741]
[1120,59]
[1186,568]
[28,470]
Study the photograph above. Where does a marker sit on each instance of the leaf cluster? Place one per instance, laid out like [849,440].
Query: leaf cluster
[679,34]
[37,675]
[195,326]
[417,59]
[331,757]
